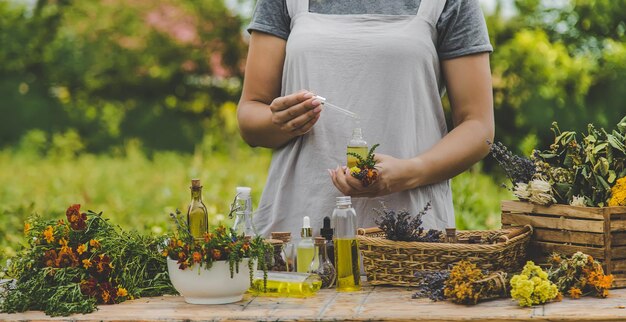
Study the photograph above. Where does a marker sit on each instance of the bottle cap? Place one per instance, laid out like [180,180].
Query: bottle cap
[320,241]
[326,231]
[274,242]
[195,183]
[244,192]
[306,227]
[342,201]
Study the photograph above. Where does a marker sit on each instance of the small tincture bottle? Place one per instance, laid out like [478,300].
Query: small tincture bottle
[321,265]
[356,145]
[288,248]
[327,233]
[305,248]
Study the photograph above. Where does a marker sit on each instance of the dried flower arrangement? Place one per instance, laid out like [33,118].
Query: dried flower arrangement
[401,226]
[579,275]
[71,266]
[581,170]
[463,284]
[219,243]
[533,286]
[365,169]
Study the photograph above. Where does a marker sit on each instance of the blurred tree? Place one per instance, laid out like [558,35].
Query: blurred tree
[156,70]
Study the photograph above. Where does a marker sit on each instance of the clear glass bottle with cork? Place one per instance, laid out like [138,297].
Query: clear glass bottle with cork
[243,224]
[347,259]
[288,248]
[276,259]
[321,265]
[197,214]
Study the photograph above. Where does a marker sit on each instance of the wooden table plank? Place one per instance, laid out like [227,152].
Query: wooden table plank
[372,303]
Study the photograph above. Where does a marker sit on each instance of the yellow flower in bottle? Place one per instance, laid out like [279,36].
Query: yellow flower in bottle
[48,234]
[121,292]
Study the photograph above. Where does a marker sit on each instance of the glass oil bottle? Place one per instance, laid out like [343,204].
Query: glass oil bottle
[243,224]
[356,145]
[305,248]
[347,261]
[321,265]
[197,214]
[286,284]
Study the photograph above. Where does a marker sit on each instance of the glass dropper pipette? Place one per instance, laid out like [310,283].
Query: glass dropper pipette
[335,107]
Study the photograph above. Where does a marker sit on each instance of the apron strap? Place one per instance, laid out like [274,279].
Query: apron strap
[429,9]
[296,6]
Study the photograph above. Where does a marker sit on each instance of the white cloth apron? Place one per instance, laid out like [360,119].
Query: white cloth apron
[386,69]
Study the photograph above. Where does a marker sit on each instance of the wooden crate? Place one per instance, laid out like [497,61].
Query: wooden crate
[599,232]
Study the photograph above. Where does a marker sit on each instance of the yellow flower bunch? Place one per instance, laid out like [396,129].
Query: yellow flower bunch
[532,286]
[618,193]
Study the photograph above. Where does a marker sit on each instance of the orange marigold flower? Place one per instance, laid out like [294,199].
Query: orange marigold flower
[94,243]
[197,257]
[106,296]
[63,243]
[179,243]
[208,237]
[48,234]
[26,228]
[76,218]
[121,292]
[67,258]
[50,258]
[87,263]
[245,246]
[575,293]
[217,254]
[81,249]
[164,253]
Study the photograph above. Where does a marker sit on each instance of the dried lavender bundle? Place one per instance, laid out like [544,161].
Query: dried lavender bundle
[518,169]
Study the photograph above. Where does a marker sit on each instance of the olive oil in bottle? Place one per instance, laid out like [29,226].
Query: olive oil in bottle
[306,248]
[286,284]
[356,145]
[347,261]
[197,215]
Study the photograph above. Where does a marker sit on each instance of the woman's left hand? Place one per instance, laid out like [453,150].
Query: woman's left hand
[394,175]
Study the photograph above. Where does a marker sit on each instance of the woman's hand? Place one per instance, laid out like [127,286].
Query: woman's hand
[394,175]
[295,114]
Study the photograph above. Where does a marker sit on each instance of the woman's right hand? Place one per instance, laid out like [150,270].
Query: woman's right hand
[295,114]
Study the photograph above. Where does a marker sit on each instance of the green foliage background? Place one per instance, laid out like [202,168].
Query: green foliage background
[117,104]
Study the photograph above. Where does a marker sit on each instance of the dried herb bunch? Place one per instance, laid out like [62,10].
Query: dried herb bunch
[217,244]
[517,169]
[577,169]
[579,275]
[71,266]
[532,286]
[402,226]
[365,169]
[431,284]
[468,284]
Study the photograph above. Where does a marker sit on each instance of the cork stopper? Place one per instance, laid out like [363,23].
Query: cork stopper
[282,235]
[195,183]
[320,241]
[274,242]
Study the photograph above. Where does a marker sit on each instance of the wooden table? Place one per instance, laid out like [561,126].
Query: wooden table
[372,303]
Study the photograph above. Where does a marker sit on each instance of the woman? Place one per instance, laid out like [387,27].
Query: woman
[387,61]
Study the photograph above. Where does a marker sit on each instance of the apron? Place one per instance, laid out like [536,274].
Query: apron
[386,69]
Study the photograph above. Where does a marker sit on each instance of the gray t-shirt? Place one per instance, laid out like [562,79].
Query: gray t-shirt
[461,29]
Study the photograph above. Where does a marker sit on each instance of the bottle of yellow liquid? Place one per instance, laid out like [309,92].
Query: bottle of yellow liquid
[197,215]
[356,145]
[286,284]
[306,248]
[347,259]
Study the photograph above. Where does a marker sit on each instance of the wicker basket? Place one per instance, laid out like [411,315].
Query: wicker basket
[388,262]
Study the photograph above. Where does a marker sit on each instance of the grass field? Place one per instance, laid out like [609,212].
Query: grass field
[137,192]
